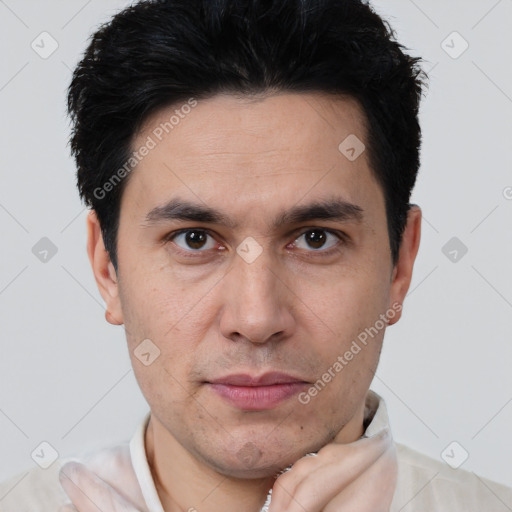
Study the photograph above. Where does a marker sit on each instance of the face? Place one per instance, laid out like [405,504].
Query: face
[253,253]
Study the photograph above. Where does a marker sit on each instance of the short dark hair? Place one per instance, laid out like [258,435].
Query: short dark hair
[157,53]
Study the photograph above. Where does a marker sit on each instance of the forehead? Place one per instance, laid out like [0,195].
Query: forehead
[242,153]
[250,125]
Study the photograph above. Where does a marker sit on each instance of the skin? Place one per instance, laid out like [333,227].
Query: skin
[294,309]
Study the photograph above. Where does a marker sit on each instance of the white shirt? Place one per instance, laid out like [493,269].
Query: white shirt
[424,484]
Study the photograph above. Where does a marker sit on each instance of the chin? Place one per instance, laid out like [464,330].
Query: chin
[259,470]
[256,460]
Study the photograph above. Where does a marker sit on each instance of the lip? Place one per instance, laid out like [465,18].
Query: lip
[257,393]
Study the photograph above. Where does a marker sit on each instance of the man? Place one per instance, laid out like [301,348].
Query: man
[249,166]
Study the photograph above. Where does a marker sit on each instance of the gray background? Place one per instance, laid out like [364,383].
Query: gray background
[445,371]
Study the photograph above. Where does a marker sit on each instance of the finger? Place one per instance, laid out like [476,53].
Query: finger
[333,468]
[366,493]
[89,493]
[373,491]
[312,483]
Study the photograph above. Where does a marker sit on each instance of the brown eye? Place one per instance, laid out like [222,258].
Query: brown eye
[317,239]
[194,239]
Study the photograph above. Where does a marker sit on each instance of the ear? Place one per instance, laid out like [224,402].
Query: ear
[103,270]
[402,271]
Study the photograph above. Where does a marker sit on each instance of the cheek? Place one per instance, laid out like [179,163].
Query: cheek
[159,344]
[348,337]
[348,302]
[164,375]
[153,303]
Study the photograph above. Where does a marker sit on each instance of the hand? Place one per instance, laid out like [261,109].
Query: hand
[355,477]
[89,493]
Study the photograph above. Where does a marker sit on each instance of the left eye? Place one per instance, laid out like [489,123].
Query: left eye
[195,239]
[316,239]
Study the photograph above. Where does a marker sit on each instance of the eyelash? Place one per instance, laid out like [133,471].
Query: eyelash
[343,239]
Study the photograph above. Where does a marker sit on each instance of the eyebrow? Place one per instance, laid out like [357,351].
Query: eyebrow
[335,209]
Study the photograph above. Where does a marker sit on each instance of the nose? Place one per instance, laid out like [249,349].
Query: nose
[257,301]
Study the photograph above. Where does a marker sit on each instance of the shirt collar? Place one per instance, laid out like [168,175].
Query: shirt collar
[375,414]
[141,467]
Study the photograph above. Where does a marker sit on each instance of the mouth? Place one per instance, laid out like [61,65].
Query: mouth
[257,393]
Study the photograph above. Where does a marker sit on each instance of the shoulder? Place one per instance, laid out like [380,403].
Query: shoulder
[34,490]
[425,483]
[39,490]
